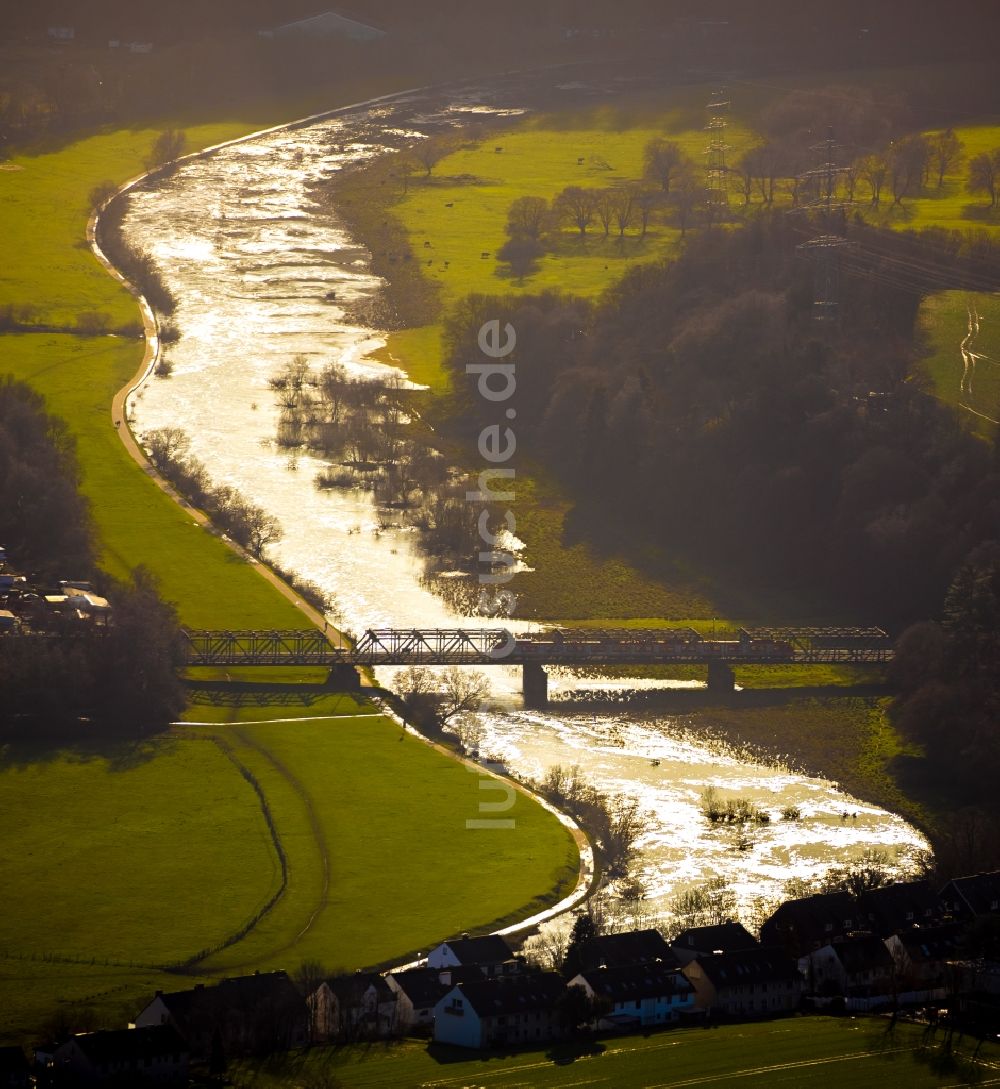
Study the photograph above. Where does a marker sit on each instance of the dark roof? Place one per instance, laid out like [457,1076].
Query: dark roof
[931,942]
[632,981]
[630,947]
[514,994]
[978,893]
[488,949]
[422,986]
[126,1044]
[862,954]
[725,937]
[240,993]
[12,1059]
[899,904]
[764,964]
[352,988]
[816,920]
[810,921]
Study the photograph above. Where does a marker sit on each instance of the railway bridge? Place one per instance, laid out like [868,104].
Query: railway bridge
[533,652]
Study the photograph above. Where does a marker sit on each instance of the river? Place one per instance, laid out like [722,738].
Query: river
[254,262]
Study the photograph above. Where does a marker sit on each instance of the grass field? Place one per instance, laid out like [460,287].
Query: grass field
[165,854]
[945,322]
[392,834]
[813,1051]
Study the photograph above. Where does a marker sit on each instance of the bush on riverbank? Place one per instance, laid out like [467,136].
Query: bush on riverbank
[137,266]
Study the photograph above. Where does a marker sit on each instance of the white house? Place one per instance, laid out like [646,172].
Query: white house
[327,24]
[62,33]
[498,1012]
[635,995]
[489,953]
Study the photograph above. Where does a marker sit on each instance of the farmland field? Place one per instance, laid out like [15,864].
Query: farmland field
[813,1051]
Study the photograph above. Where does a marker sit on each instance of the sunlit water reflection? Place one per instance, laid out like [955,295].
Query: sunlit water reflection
[262,273]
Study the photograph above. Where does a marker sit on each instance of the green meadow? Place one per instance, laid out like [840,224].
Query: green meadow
[814,1051]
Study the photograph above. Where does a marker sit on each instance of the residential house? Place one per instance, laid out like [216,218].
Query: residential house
[489,953]
[14,1070]
[801,925]
[154,1055]
[902,904]
[746,982]
[361,1006]
[489,1013]
[418,991]
[922,954]
[967,898]
[327,24]
[637,995]
[630,947]
[62,33]
[244,1015]
[724,938]
[858,967]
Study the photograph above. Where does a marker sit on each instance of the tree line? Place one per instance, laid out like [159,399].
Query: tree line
[76,681]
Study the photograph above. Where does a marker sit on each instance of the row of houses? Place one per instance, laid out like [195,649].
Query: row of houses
[902,942]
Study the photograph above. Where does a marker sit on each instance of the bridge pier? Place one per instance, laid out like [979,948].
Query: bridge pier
[343,678]
[721,677]
[534,686]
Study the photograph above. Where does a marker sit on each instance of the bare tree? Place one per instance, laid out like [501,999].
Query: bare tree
[946,152]
[624,207]
[663,161]
[262,529]
[626,823]
[528,217]
[406,167]
[647,201]
[686,200]
[710,904]
[166,445]
[167,146]
[763,163]
[435,703]
[871,871]
[577,206]
[874,169]
[604,206]
[430,152]
[984,175]
[743,174]
[907,160]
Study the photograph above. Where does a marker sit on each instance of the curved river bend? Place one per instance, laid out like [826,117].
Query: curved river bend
[253,261]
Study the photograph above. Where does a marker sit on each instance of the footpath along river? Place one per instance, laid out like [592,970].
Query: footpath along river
[262,273]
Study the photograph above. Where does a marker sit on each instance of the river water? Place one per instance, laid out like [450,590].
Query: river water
[254,262]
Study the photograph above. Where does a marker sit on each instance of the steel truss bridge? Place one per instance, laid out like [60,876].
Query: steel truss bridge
[535,650]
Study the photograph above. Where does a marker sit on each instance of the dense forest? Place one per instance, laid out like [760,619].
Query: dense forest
[702,405]
[73,679]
